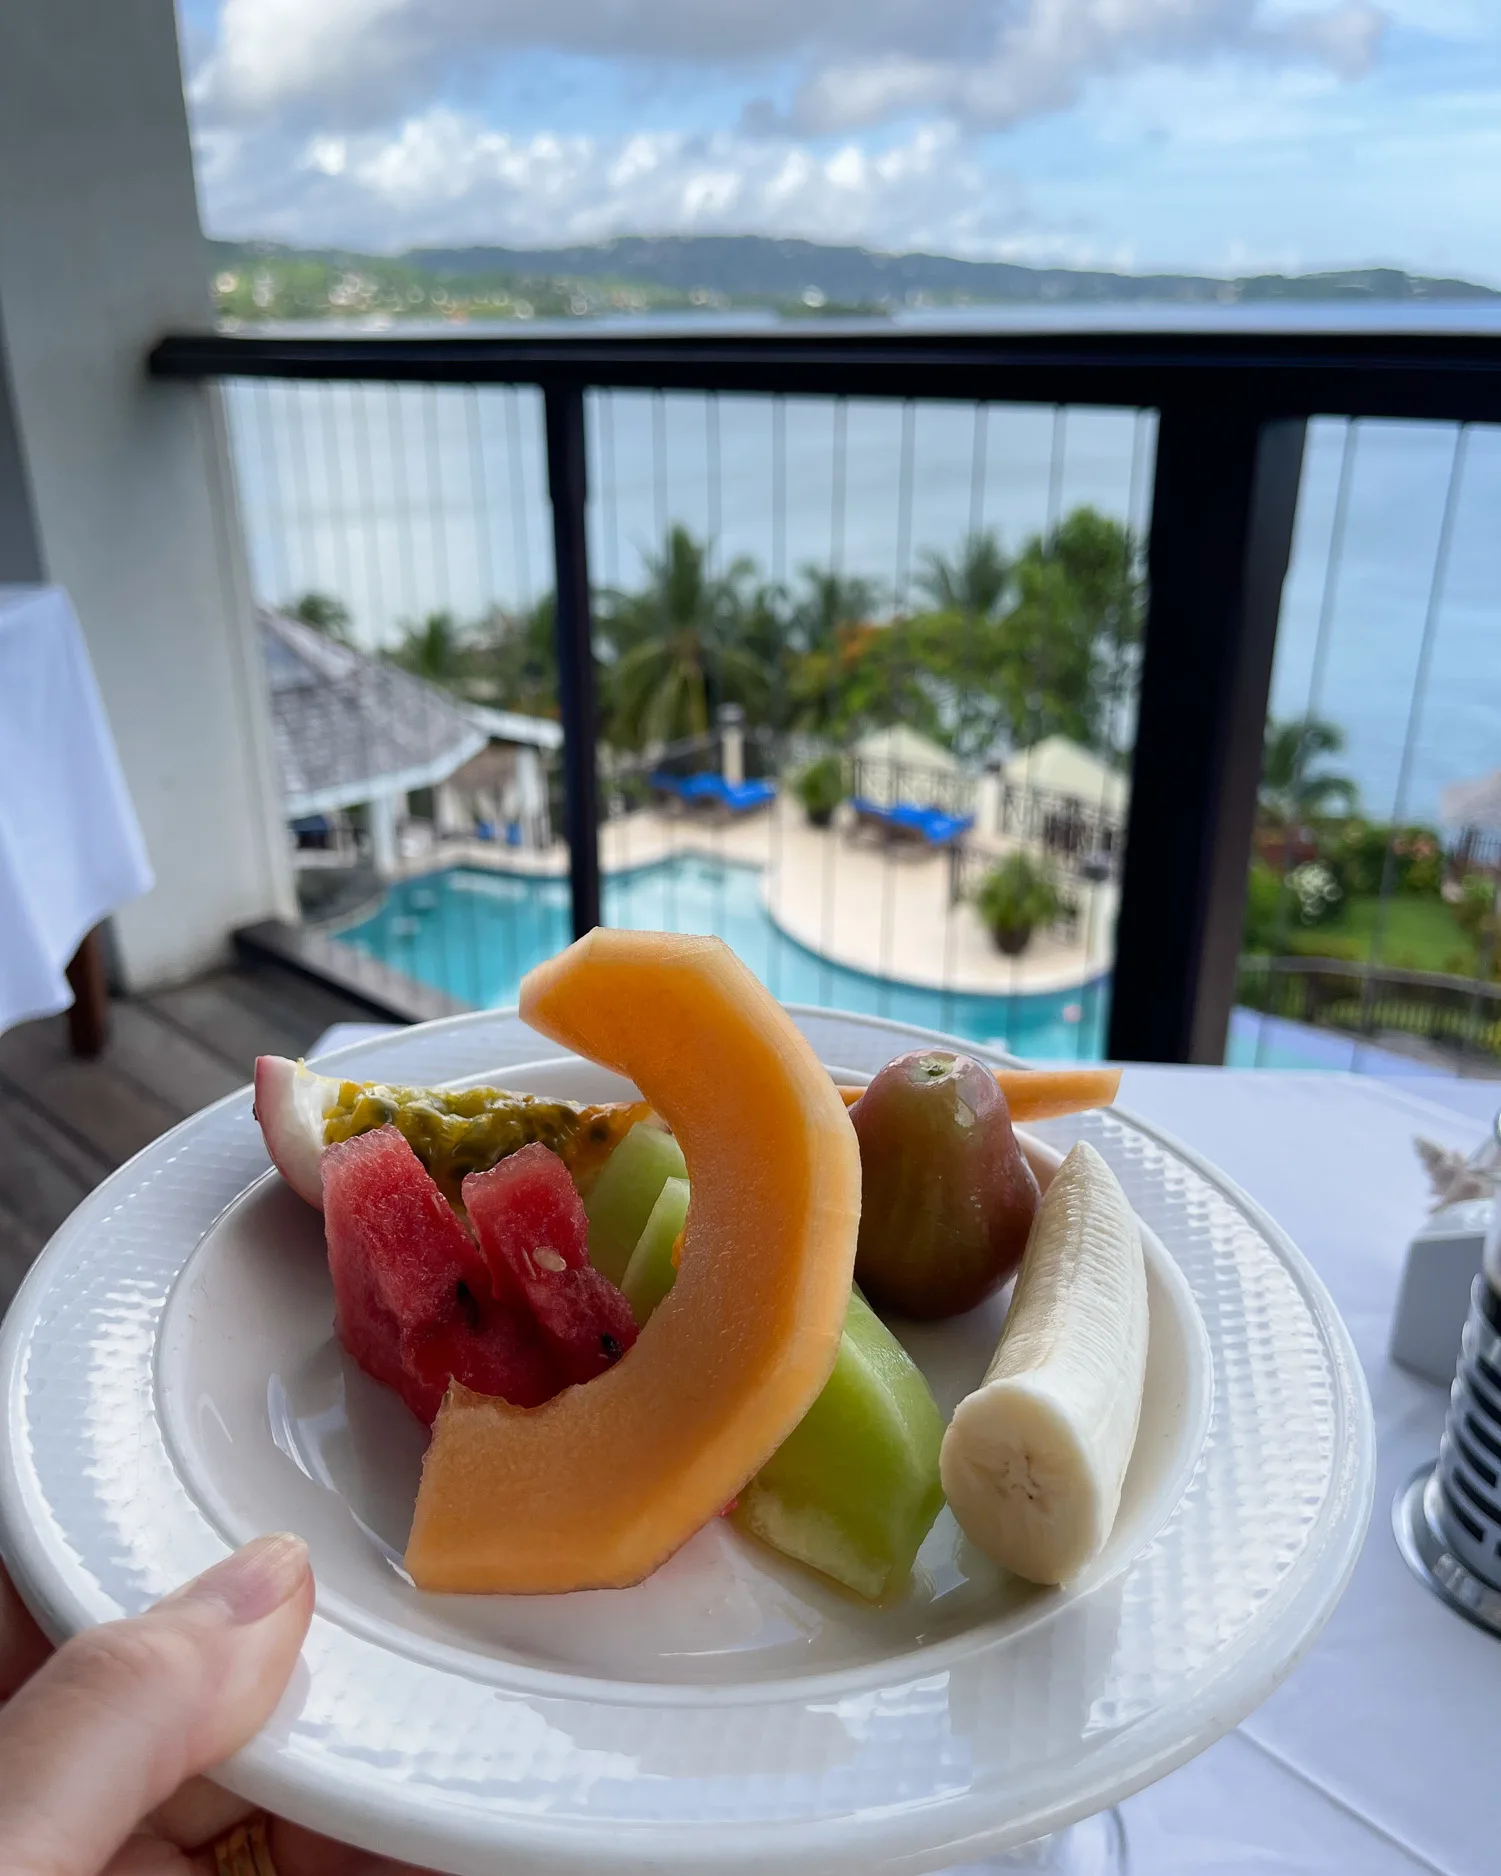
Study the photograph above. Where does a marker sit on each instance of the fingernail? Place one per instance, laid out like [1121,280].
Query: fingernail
[254,1581]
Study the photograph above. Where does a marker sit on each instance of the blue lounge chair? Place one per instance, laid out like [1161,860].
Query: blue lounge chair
[930,825]
[741,797]
[708,789]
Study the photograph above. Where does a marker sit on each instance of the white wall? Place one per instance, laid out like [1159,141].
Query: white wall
[100,253]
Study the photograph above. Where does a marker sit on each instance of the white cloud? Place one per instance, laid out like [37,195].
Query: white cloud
[981,62]
[445,177]
[1207,133]
[1040,55]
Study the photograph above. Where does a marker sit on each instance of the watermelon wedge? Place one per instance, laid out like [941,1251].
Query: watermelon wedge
[534,1233]
[413,1299]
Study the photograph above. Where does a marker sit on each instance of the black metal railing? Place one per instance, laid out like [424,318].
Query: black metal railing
[1231,416]
[1455,1015]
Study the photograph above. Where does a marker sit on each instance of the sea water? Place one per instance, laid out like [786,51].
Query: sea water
[406,499]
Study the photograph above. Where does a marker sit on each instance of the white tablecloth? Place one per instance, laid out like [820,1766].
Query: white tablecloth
[70,846]
[1378,1756]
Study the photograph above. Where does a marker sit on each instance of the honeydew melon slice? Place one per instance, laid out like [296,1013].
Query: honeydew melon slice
[622,1197]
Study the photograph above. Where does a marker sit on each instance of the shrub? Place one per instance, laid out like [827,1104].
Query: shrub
[1475,912]
[1356,850]
[1016,896]
[820,788]
[1263,891]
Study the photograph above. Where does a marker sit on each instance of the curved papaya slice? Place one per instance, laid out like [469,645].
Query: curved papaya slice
[598,1486]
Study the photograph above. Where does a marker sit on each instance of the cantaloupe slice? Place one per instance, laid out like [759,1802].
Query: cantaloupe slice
[1044,1093]
[597,1487]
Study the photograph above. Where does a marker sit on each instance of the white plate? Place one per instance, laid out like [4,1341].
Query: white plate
[171,1387]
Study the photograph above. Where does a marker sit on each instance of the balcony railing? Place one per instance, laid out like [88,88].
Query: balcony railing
[356,488]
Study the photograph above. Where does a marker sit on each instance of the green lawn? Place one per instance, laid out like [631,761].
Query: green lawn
[1416,935]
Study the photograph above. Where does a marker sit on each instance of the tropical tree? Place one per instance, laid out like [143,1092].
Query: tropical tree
[324,613]
[830,604]
[1065,653]
[868,677]
[676,648]
[518,658]
[973,581]
[434,649]
[1295,786]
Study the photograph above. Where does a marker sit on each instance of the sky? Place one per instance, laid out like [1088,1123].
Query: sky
[1222,136]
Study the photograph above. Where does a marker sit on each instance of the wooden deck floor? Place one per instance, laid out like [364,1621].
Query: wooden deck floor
[65,1124]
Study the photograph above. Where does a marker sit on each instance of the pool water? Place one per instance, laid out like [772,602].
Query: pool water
[475,934]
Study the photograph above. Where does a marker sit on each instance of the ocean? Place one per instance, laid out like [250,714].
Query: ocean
[403,500]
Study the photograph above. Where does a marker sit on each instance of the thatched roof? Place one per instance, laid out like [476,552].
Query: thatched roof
[348,727]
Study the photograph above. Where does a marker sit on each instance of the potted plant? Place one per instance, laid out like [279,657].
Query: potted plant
[820,788]
[1016,896]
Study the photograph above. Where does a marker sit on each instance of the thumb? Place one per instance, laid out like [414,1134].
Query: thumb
[123,1714]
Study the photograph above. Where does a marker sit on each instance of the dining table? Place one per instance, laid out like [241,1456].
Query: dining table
[1376,1755]
[71,849]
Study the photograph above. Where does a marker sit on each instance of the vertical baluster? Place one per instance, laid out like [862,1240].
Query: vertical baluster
[274,504]
[333,488]
[779,583]
[978,466]
[1333,565]
[1437,584]
[484,556]
[714,471]
[1225,491]
[568,488]
[836,570]
[309,576]
[402,520]
[662,528]
[360,396]
[1095,894]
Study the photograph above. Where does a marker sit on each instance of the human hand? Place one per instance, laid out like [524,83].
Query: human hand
[102,1743]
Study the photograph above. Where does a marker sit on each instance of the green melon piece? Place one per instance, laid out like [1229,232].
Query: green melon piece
[854,1490]
[651,1272]
[623,1195]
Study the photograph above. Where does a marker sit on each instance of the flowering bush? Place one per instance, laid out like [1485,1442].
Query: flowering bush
[1357,854]
[1316,892]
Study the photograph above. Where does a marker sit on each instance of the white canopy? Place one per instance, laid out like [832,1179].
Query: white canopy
[1476,803]
[1057,766]
[908,747]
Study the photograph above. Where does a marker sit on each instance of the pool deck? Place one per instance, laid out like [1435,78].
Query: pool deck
[878,907]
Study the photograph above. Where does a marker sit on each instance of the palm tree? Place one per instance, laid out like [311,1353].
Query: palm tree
[974,581]
[324,614]
[1293,790]
[831,603]
[518,654]
[678,655]
[432,649]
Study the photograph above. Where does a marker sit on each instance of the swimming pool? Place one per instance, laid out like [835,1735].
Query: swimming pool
[475,933]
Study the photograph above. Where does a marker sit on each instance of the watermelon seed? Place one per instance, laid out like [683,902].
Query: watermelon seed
[610,1347]
[546,1258]
[468,1304]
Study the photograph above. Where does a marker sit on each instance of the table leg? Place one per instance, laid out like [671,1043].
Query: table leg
[88,1019]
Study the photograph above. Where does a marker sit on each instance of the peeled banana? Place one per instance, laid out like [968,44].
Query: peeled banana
[1034,1459]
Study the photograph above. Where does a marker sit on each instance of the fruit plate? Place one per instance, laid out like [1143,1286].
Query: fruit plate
[170,1387]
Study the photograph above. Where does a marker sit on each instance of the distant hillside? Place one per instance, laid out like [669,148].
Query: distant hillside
[264,280]
[750,267]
